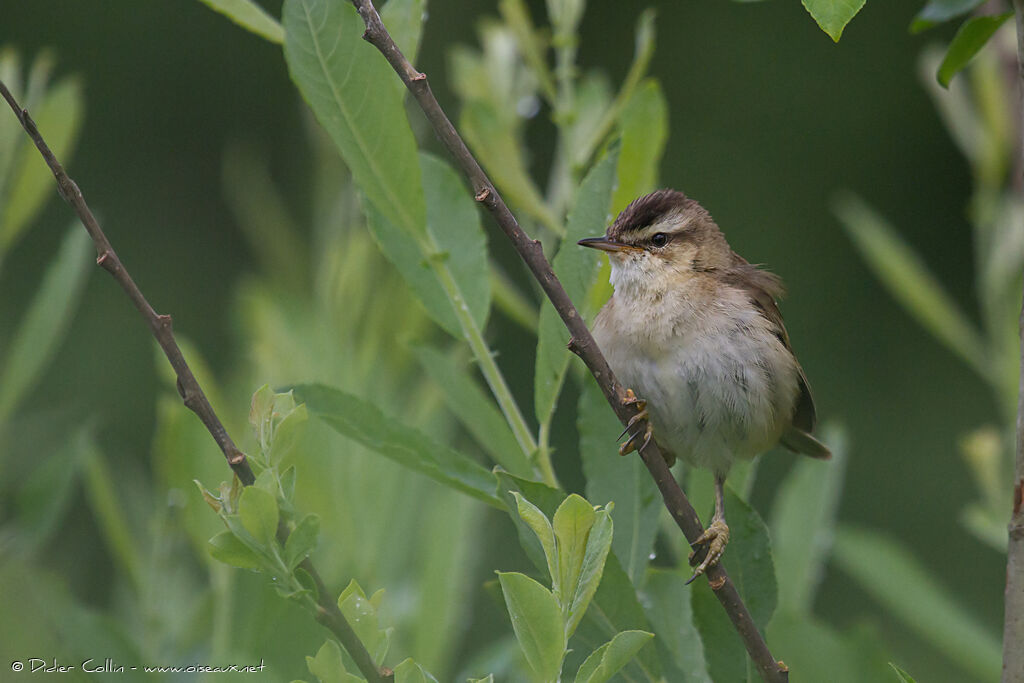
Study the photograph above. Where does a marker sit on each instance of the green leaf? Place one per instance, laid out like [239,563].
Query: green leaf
[474,408]
[903,675]
[938,11]
[411,672]
[404,21]
[724,654]
[623,480]
[258,512]
[667,602]
[263,215]
[577,268]
[288,433]
[362,614]
[46,321]
[969,39]
[545,498]
[910,593]
[644,126]
[361,421]
[110,510]
[803,522]
[329,667]
[301,540]
[226,547]
[572,523]
[909,281]
[498,150]
[599,543]
[249,16]
[833,15]
[537,622]
[540,525]
[58,117]
[454,242]
[340,76]
[608,659]
[614,607]
[43,496]
[749,558]
[821,653]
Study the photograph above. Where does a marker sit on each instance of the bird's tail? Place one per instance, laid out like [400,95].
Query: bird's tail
[799,441]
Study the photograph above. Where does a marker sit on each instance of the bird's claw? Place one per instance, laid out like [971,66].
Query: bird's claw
[712,542]
[641,416]
[630,444]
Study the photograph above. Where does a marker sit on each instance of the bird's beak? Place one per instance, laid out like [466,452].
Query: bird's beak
[604,244]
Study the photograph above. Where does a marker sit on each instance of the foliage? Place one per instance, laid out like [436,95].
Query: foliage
[376,316]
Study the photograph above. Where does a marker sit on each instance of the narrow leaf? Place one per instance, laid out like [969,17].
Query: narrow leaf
[622,480]
[903,675]
[572,523]
[938,11]
[340,76]
[58,117]
[44,495]
[833,15]
[543,497]
[820,652]
[46,321]
[537,622]
[540,525]
[249,16]
[749,558]
[667,603]
[909,281]
[803,521]
[968,41]
[577,268]
[496,145]
[894,577]
[644,126]
[607,660]
[599,543]
[361,421]
[724,654]
[474,408]
[258,512]
[454,242]
[404,21]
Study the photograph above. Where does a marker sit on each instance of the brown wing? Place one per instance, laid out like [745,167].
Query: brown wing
[763,287]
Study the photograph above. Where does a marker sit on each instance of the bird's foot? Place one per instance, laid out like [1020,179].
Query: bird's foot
[712,542]
[630,444]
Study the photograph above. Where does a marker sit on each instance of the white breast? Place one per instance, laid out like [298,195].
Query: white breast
[719,383]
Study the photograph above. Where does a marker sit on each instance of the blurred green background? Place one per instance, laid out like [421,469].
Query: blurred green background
[769,120]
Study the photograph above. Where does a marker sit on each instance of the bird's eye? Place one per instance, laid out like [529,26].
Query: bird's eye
[659,239]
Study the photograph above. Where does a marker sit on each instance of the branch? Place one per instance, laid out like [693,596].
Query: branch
[327,611]
[1013,599]
[581,343]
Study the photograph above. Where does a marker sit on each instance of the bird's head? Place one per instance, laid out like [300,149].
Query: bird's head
[661,239]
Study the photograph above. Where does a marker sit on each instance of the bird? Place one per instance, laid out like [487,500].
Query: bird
[695,332]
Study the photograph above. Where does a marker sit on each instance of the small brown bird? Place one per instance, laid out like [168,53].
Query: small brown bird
[694,329]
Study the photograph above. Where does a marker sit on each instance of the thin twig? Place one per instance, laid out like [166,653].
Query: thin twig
[1013,602]
[582,343]
[328,613]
